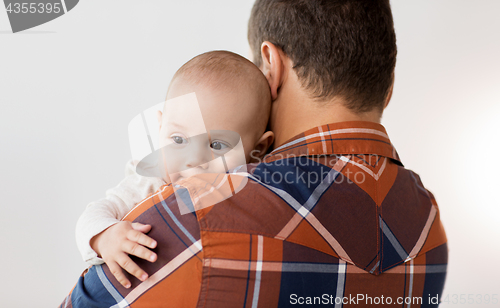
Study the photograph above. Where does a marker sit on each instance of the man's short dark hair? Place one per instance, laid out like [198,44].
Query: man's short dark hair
[339,48]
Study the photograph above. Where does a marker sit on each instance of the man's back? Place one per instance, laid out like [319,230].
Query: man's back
[330,217]
[319,221]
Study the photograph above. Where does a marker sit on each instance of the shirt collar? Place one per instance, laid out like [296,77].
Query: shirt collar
[344,138]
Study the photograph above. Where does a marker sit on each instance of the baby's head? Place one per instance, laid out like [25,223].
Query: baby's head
[231,100]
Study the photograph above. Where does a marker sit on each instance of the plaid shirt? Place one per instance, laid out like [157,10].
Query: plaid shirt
[330,217]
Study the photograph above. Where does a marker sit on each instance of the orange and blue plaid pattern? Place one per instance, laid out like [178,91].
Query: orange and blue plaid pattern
[331,217]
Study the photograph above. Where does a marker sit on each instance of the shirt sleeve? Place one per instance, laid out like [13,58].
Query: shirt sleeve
[101,214]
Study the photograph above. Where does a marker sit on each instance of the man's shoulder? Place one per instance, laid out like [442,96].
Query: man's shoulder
[275,193]
[163,193]
[301,170]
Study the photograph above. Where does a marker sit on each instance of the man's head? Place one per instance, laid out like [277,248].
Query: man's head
[231,100]
[342,49]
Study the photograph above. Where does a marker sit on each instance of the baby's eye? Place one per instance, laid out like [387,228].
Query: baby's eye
[217,145]
[178,139]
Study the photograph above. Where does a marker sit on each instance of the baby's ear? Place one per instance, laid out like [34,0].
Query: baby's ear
[158,117]
[261,146]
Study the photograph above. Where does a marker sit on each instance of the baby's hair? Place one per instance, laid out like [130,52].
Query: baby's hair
[225,70]
[221,68]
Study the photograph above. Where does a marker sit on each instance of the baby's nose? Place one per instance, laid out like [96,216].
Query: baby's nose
[197,164]
[198,156]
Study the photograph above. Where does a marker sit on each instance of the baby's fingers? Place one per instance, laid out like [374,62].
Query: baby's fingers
[141,238]
[127,264]
[140,227]
[136,249]
[118,273]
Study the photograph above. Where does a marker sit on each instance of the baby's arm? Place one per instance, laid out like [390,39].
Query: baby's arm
[102,214]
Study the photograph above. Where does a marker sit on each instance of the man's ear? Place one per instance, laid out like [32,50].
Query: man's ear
[261,146]
[272,66]
[158,117]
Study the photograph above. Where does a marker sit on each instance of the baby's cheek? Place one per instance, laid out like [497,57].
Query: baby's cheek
[217,166]
[174,163]
[235,158]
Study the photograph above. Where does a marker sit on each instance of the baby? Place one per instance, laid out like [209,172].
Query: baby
[214,119]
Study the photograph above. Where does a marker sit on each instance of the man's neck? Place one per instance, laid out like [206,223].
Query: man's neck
[294,113]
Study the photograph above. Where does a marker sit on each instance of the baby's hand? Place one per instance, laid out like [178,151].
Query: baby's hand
[118,241]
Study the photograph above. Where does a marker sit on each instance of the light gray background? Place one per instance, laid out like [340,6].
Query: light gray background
[68,89]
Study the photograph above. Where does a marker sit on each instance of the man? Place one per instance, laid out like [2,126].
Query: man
[331,216]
